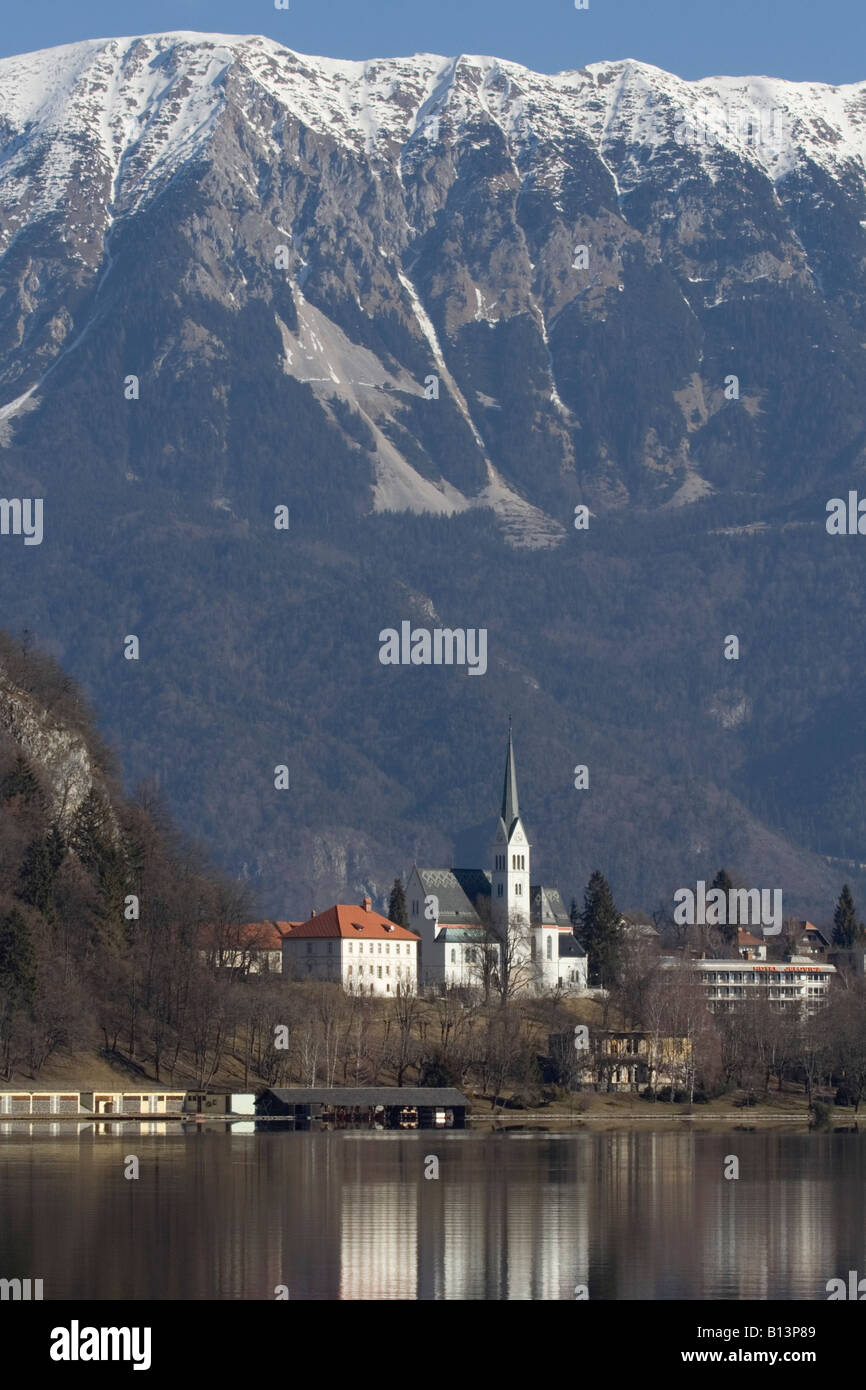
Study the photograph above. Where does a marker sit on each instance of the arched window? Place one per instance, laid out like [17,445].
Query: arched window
[453,955]
[550,948]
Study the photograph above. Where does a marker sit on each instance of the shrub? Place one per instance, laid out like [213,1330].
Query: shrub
[819,1115]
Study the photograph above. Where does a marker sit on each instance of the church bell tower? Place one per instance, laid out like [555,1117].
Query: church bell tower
[510,877]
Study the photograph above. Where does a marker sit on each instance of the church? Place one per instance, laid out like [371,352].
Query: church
[478,926]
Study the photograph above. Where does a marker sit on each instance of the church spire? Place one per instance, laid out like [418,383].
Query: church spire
[510,809]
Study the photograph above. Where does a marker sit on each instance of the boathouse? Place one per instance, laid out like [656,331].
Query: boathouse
[366,1107]
[92,1102]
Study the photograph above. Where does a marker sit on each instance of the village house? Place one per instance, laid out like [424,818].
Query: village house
[750,947]
[621,1060]
[639,930]
[809,940]
[253,948]
[355,947]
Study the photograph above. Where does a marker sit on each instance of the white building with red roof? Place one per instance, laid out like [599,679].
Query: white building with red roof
[355,947]
[750,947]
[251,948]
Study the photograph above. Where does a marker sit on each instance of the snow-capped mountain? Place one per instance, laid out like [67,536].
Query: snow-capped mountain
[450,195]
[135,109]
[433,305]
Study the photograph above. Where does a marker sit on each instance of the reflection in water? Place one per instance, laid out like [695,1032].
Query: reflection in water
[351,1216]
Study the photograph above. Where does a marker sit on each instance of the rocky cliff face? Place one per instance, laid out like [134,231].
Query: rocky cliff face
[432,305]
[60,754]
[40,717]
[579,260]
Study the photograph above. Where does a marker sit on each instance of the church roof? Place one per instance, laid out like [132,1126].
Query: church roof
[510,807]
[474,882]
[455,889]
[473,936]
[570,946]
[546,908]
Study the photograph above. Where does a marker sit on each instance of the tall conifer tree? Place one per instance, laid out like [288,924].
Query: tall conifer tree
[847,931]
[600,931]
[397,911]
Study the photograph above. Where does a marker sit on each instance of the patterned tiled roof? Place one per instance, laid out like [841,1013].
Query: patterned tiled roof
[547,908]
[452,888]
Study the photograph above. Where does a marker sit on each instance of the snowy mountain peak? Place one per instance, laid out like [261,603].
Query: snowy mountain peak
[142,106]
[398,219]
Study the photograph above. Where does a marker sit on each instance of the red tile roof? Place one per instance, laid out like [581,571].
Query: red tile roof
[745,938]
[349,920]
[251,936]
[263,936]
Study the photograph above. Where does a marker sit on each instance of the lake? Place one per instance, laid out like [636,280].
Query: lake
[351,1215]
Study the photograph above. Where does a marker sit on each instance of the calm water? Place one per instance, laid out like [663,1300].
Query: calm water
[216,1215]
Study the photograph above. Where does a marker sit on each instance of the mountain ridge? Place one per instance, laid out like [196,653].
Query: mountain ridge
[212,306]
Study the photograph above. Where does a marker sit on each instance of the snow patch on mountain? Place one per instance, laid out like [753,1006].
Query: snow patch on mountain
[134,110]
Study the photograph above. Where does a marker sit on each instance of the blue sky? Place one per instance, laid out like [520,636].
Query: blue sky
[818,40]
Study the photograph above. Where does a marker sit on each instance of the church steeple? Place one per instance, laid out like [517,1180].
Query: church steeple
[510,877]
[510,808]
